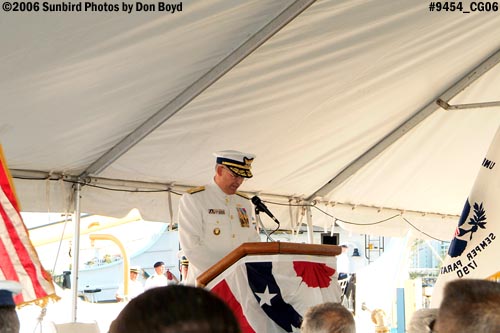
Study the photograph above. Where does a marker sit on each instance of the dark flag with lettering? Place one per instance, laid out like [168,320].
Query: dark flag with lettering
[474,251]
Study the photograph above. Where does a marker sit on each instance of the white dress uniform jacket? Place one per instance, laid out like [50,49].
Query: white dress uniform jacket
[156,280]
[211,225]
[135,288]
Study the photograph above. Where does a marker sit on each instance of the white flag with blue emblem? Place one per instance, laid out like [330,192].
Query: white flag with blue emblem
[474,251]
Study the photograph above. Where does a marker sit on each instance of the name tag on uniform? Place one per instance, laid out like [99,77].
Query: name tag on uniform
[216,211]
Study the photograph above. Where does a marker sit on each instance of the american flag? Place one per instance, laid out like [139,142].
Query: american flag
[270,293]
[18,258]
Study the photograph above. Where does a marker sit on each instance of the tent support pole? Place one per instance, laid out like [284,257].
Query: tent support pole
[447,106]
[310,230]
[76,253]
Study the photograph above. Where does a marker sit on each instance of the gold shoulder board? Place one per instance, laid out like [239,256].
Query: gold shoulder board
[196,189]
[243,195]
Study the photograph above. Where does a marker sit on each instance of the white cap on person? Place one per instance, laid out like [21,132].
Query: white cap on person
[238,162]
[135,269]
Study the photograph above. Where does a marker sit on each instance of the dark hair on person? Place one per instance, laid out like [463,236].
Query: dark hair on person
[470,305]
[176,308]
[158,264]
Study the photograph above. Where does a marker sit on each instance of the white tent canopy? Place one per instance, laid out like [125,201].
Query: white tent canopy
[360,107]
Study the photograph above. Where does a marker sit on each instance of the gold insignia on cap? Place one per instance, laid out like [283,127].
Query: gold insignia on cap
[237,162]
[216,231]
[248,162]
[241,171]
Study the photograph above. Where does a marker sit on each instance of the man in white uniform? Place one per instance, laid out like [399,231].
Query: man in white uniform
[159,278]
[135,287]
[215,219]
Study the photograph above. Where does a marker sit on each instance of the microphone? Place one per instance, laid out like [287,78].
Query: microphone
[263,208]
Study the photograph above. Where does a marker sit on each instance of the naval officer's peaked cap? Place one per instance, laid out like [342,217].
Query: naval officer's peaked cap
[238,162]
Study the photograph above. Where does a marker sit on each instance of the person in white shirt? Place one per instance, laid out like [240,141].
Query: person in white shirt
[135,287]
[215,219]
[160,278]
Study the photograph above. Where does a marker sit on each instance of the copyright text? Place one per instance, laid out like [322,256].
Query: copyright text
[91,6]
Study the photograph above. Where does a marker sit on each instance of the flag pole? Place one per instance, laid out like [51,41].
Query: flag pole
[76,253]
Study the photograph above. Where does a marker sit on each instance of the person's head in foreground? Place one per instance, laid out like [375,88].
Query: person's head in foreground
[469,305]
[9,321]
[175,309]
[421,320]
[328,318]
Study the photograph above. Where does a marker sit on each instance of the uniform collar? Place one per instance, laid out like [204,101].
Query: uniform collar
[218,192]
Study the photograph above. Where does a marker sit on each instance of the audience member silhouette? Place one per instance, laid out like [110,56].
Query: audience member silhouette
[9,321]
[469,305]
[421,319]
[175,308]
[328,318]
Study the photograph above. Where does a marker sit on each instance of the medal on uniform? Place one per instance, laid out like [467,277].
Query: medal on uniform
[243,216]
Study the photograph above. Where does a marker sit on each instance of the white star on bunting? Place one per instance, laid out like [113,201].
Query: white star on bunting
[265,297]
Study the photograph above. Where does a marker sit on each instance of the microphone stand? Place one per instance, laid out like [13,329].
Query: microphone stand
[259,221]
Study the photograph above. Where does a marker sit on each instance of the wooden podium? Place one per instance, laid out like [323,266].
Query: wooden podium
[269,286]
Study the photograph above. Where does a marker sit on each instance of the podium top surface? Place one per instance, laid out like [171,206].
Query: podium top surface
[263,248]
